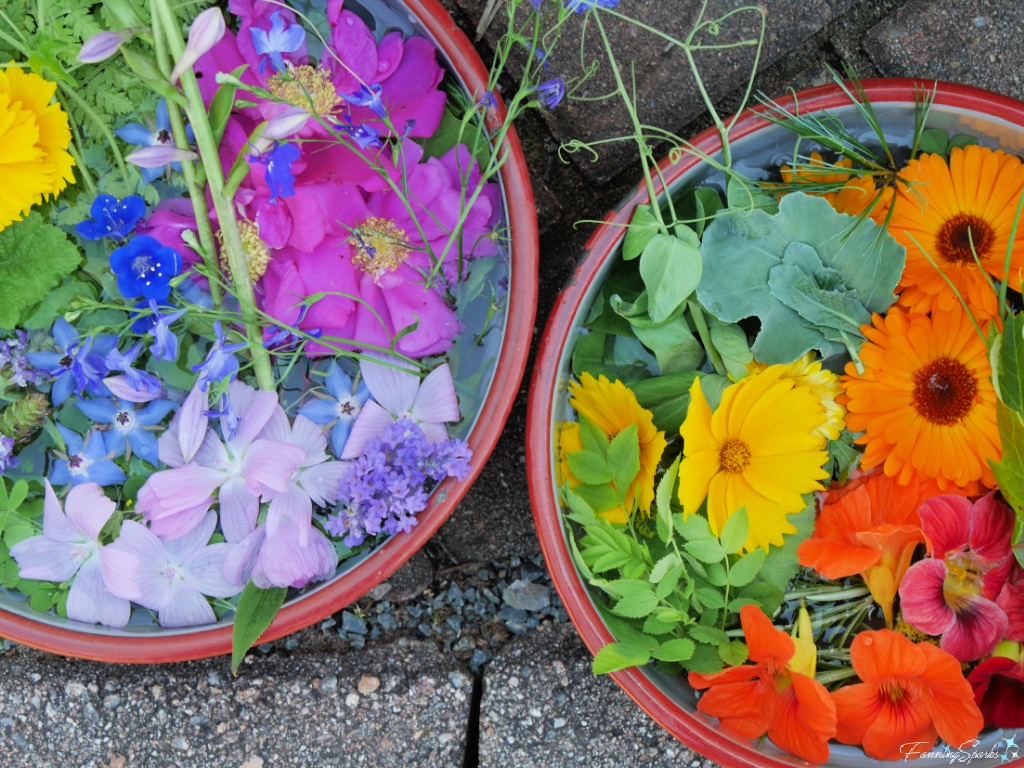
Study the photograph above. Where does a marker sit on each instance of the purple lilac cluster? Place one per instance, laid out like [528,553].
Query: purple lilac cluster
[386,487]
[15,368]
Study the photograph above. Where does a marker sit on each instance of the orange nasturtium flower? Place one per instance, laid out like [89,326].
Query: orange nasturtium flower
[911,694]
[777,694]
[872,531]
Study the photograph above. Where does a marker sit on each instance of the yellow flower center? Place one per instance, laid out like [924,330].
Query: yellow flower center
[734,456]
[958,234]
[257,254]
[307,85]
[896,691]
[380,246]
[944,391]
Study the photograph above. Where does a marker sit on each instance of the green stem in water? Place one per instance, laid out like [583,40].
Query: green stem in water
[705,337]
[207,145]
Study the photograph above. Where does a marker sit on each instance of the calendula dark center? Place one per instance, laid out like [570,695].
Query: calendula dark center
[959,233]
[944,391]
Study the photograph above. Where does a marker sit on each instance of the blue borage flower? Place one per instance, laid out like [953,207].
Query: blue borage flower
[111,217]
[75,366]
[270,45]
[279,175]
[337,409]
[88,460]
[368,97]
[144,136]
[144,267]
[140,381]
[165,344]
[128,426]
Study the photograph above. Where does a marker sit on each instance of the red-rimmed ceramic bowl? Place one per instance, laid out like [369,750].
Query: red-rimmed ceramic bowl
[756,144]
[148,644]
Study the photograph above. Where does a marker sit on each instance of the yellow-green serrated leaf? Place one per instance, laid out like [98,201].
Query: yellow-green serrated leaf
[734,653]
[256,609]
[663,500]
[736,531]
[671,579]
[743,571]
[705,551]
[616,656]
[34,257]
[679,649]
[663,566]
[589,468]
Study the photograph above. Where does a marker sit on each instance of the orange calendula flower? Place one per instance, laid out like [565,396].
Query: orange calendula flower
[770,696]
[853,198]
[911,695]
[946,209]
[871,531]
[925,401]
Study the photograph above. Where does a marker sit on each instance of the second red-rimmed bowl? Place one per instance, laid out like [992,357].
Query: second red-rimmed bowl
[355,577]
[756,145]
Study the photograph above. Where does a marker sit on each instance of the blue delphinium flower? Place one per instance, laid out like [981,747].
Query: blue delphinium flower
[364,135]
[277,41]
[279,175]
[75,366]
[368,97]
[144,136]
[88,461]
[165,343]
[7,461]
[220,363]
[128,424]
[138,380]
[144,268]
[340,409]
[551,92]
[387,485]
[111,217]
[582,6]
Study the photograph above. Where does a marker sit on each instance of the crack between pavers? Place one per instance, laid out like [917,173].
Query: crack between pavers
[471,757]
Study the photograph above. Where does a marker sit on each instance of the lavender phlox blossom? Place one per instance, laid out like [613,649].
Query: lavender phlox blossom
[7,460]
[88,460]
[165,344]
[386,486]
[15,368]
[76,366]
[104,579]
[173,575]
[369,98]
[270,45]
[551,92]
[111,217]
[582,6]
[337,410]
[429,402]
[161,136]
[220,361]
[128,425]
[364,135]
[239,468]
[278,176]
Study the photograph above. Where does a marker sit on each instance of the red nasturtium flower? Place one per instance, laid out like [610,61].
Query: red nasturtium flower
[911,694]
[772,695]
[872,531]
[998,684]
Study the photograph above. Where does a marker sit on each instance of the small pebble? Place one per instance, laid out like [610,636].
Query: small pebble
[368,684]
[353,624]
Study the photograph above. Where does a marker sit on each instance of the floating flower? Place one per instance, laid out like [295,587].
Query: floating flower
[87,460]
[871,531]
[911,694]
[173,575]
[337,409]
[925,402]
[772,695]
[111,217]
[161,137]
[368,97]
[998,684]
[139,381]
[551,92]
[278,162]
[612,407]
[165,343]
[281,559]
[128,425]
[75,366]
[953,593]
[35,136]
[758,450]
[220,363]
[144,268]
[270,45]
[947,208]
[807,372]
[104,579]
[857,193]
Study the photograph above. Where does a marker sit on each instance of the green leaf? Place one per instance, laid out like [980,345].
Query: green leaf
[1008,363]
[624,458]
[934,141]
[671,269]
[1018,538]
[674,346]
[34,257]
[731,342]
[962,140]
[223,101]
[711,598]
[667,398]
[842,456]
[713,385]
[636,606]
[17,530]
[653,626]
[668,583]
[663,566]
[705,551]
[601,498]
[256,609]
[705,660]
[589,468]
[57,301]
[642,227]
[780,564]
[743,571]
[745,196]
[616,656]
[593,437]
[679,649]
[736,531]
[734,653]
[1009,470]
[663,500]
[9,575]
[716,575]
[768,596]
[710,635]
[694,528]
[854,257]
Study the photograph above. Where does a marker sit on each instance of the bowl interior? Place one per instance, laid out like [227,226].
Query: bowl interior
[669,699]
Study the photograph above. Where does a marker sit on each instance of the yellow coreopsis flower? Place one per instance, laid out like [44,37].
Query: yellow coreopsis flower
[34,138]
[807,372]
[758,450]
[612,407]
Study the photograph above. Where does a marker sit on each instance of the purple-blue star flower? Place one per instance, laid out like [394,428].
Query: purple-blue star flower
[340,409]
[364,135]
[88,461]
[144,268]
[488,101]
[368,97]
[128,424]
[220,363]
[138,380]
[551,92]
[165,344]
[229,417]
[75,366]
[279,175]
[111,217]
[144,136]
[582,6]
[7,461]
[277,41]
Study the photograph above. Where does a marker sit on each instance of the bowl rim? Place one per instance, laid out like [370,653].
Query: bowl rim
[690,730]
[494,411]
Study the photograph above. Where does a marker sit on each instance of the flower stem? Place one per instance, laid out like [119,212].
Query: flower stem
[207,146]
[108,134]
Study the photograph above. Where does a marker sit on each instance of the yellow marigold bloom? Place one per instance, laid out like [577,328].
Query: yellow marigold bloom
[925,402]
[807,372]
[855,195]
[34,137]
[612,407]
[757,450]
[972,200]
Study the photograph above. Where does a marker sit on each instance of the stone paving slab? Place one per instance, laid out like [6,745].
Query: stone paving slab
[542,708]
[974,42]
[401,703]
